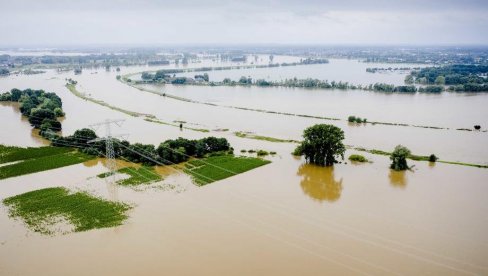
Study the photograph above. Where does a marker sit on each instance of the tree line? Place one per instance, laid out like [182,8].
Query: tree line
[172,151]
[458,77]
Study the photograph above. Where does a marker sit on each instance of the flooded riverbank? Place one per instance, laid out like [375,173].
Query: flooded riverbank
[350,219]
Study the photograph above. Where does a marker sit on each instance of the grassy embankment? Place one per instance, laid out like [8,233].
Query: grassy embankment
[32,160]
[148,117]
[419,157]
[263,138]
[210,169]
[137,176]
[43,209]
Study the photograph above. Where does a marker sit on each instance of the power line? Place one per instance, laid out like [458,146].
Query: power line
[109,146]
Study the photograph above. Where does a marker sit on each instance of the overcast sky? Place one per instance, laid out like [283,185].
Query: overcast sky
[75,22]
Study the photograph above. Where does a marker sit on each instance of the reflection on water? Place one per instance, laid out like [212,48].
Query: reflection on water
[319,183]
[398,179]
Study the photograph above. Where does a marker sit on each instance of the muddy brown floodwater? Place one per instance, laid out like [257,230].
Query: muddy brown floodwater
[285,218]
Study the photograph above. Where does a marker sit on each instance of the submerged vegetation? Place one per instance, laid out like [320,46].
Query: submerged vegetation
[41,210]
[263,138]
[358,158]
[458,77]
[41,108]
[137,176]
[214,168]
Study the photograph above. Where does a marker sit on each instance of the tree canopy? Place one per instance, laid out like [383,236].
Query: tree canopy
[322,144]
[399,158]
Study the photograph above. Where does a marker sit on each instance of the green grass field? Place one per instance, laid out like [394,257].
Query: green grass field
[208,170]
[12,154]
[142,175]
[44,163]
[41,209]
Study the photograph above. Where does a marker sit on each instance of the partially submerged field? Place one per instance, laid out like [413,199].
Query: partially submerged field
[43,210]
[137,176]
[211,169]
[32,160]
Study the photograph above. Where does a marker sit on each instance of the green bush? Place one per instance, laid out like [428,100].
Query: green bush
[358,158]
[433,158]
[399,158]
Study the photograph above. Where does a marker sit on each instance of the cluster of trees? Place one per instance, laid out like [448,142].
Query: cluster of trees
[244,80]
[158,62]
[383,87]
[4,71]
[354,119]
[42,108]
[431,89]
[314,61]
[169,152]
[179,80]
[399,158]
[458,77]
[203,77]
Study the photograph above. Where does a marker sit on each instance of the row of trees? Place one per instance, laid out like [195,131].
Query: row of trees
[168,152]
[166,75]
[42,108]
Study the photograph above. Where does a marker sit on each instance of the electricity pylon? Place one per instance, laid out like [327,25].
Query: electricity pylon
[109,144]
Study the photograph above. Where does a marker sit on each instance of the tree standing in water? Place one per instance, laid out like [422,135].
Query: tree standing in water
[322,144]
[399,158]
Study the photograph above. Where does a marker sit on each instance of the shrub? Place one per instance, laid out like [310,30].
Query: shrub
[399,158]
[477,127]
[351,119]
[358,158]
[262,153]
[433,158]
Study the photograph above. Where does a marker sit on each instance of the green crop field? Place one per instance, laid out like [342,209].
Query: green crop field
[44,163]
[12,154]
[208,170]
[41,209]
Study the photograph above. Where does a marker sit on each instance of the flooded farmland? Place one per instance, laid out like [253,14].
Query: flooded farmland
[285,218]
